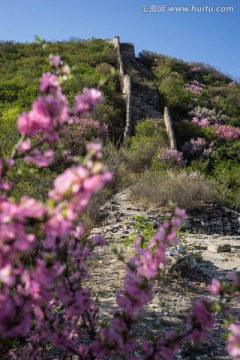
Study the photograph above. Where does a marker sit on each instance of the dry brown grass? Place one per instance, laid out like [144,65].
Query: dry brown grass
[187,189]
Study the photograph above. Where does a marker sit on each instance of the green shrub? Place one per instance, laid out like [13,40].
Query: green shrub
[177,98]
[226,182]
[31,181]
[8,130]
[143,227]
[115,158]
[21,66]
[150,137]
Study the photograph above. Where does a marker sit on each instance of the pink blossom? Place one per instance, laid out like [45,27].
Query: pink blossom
[136,295]
[93,128]
[49,82]
[55,60]
[12,230]
[148,352]
[77,303]
[57,229]
[39,158]
[201,122]
[168,346]
[47,113]
[6,186]
[181,214]
[195,69]
[137,290]
[172,157]
[95,148]
[233,343]
[201,320]
[6,275]
[98,240]
[51,137]
[83,350]
[30,208]
[227,132]
[145,263]
[235,277]
[24,146]
[39,283]
[37,119]
[65,69]
[215,288]
[8,210]
[69,183]
[79,183]
[204,122]
[203,116]
[26,296]
[194,87]
[78,231]
[87,101]
[197,149]
[8,316]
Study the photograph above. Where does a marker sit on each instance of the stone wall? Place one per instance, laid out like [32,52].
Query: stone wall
[141,97]
[169,128]
[127,96]
[213,220]
[126,87]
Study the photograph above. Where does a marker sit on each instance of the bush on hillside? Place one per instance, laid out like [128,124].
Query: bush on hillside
[172,158]
[187,189]
[150,137]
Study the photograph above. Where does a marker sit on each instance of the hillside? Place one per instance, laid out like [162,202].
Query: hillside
[203,103]
[170,135]
[21,66]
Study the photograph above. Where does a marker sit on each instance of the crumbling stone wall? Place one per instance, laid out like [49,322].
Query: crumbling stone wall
[127,96]
[126,87]
[169,128]
[141,98]
[213,220]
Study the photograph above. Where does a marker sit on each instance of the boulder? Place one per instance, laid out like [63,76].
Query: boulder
[183,262]
[219,248]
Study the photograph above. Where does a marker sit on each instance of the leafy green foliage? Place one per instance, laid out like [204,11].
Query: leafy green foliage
[150,137]
[8,130]
[142,227]
[93,64]
[21,66]
[170,74]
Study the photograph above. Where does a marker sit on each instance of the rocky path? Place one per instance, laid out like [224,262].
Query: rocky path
[174,292]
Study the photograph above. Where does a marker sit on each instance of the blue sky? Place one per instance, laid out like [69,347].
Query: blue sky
[207,37]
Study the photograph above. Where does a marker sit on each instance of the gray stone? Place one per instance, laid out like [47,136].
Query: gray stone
[219,248]
[184,262]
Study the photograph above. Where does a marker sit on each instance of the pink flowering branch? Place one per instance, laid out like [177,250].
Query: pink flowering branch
[47,304]
[138,290]
[29,296]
